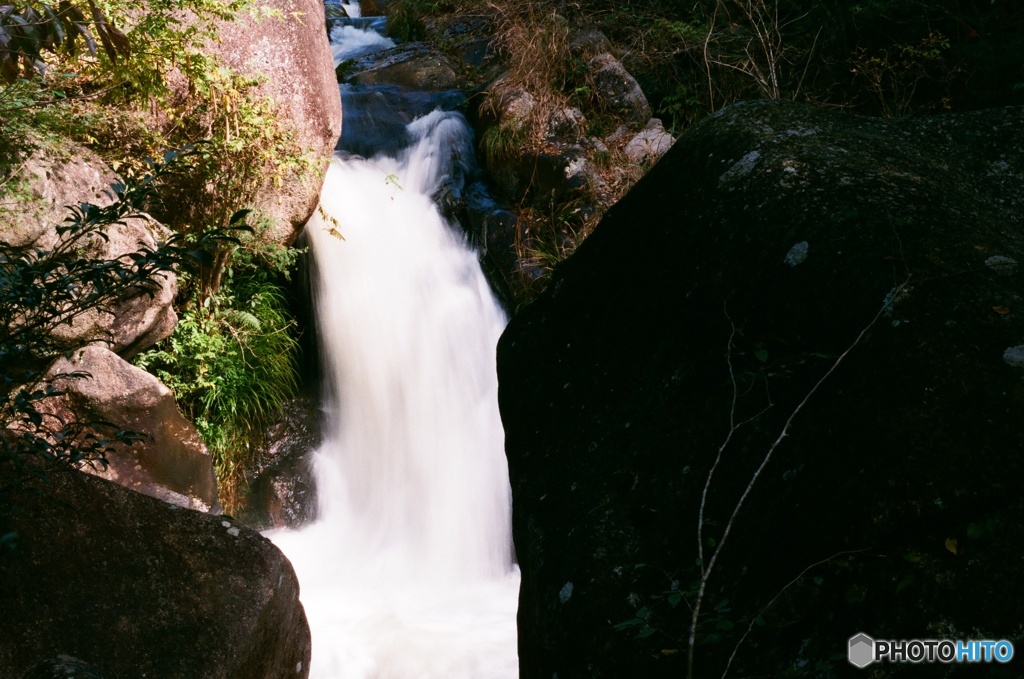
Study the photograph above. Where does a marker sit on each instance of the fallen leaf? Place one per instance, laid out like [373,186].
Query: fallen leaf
[951,544]
[1001,310]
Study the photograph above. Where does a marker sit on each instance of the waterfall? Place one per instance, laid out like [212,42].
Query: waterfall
[408,571]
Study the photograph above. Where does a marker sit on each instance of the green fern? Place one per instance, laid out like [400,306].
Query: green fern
[243,319]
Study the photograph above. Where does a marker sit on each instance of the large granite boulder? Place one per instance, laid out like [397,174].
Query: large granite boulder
[706,317]
[172,464]
[128,586]
[286,46]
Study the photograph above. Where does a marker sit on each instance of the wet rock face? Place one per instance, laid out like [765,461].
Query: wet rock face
[376,117]
[384,91]
[413,65]
[723,288]
[133,587]
[283,490]
[497,232]
[288,494]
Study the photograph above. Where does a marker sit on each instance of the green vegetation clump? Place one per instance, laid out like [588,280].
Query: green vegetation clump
[501,142]
[232,361]
[52,85]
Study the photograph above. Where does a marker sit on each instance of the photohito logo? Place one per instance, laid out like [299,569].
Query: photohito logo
[863,650]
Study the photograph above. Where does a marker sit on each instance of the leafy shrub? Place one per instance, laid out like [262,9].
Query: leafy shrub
[28,30]
[895,74]
[38,45]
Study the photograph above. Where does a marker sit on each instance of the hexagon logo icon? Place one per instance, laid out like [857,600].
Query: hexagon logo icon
[862,650]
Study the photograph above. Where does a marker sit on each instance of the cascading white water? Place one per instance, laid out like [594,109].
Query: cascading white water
[349,42]
[408,572]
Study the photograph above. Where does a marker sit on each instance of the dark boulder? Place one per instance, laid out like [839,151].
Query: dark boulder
[617,91]
[500,235]
[543,178]
[769,241]
[614,89]
[137,588]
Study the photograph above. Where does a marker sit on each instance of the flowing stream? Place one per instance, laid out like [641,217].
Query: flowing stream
[408,571]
